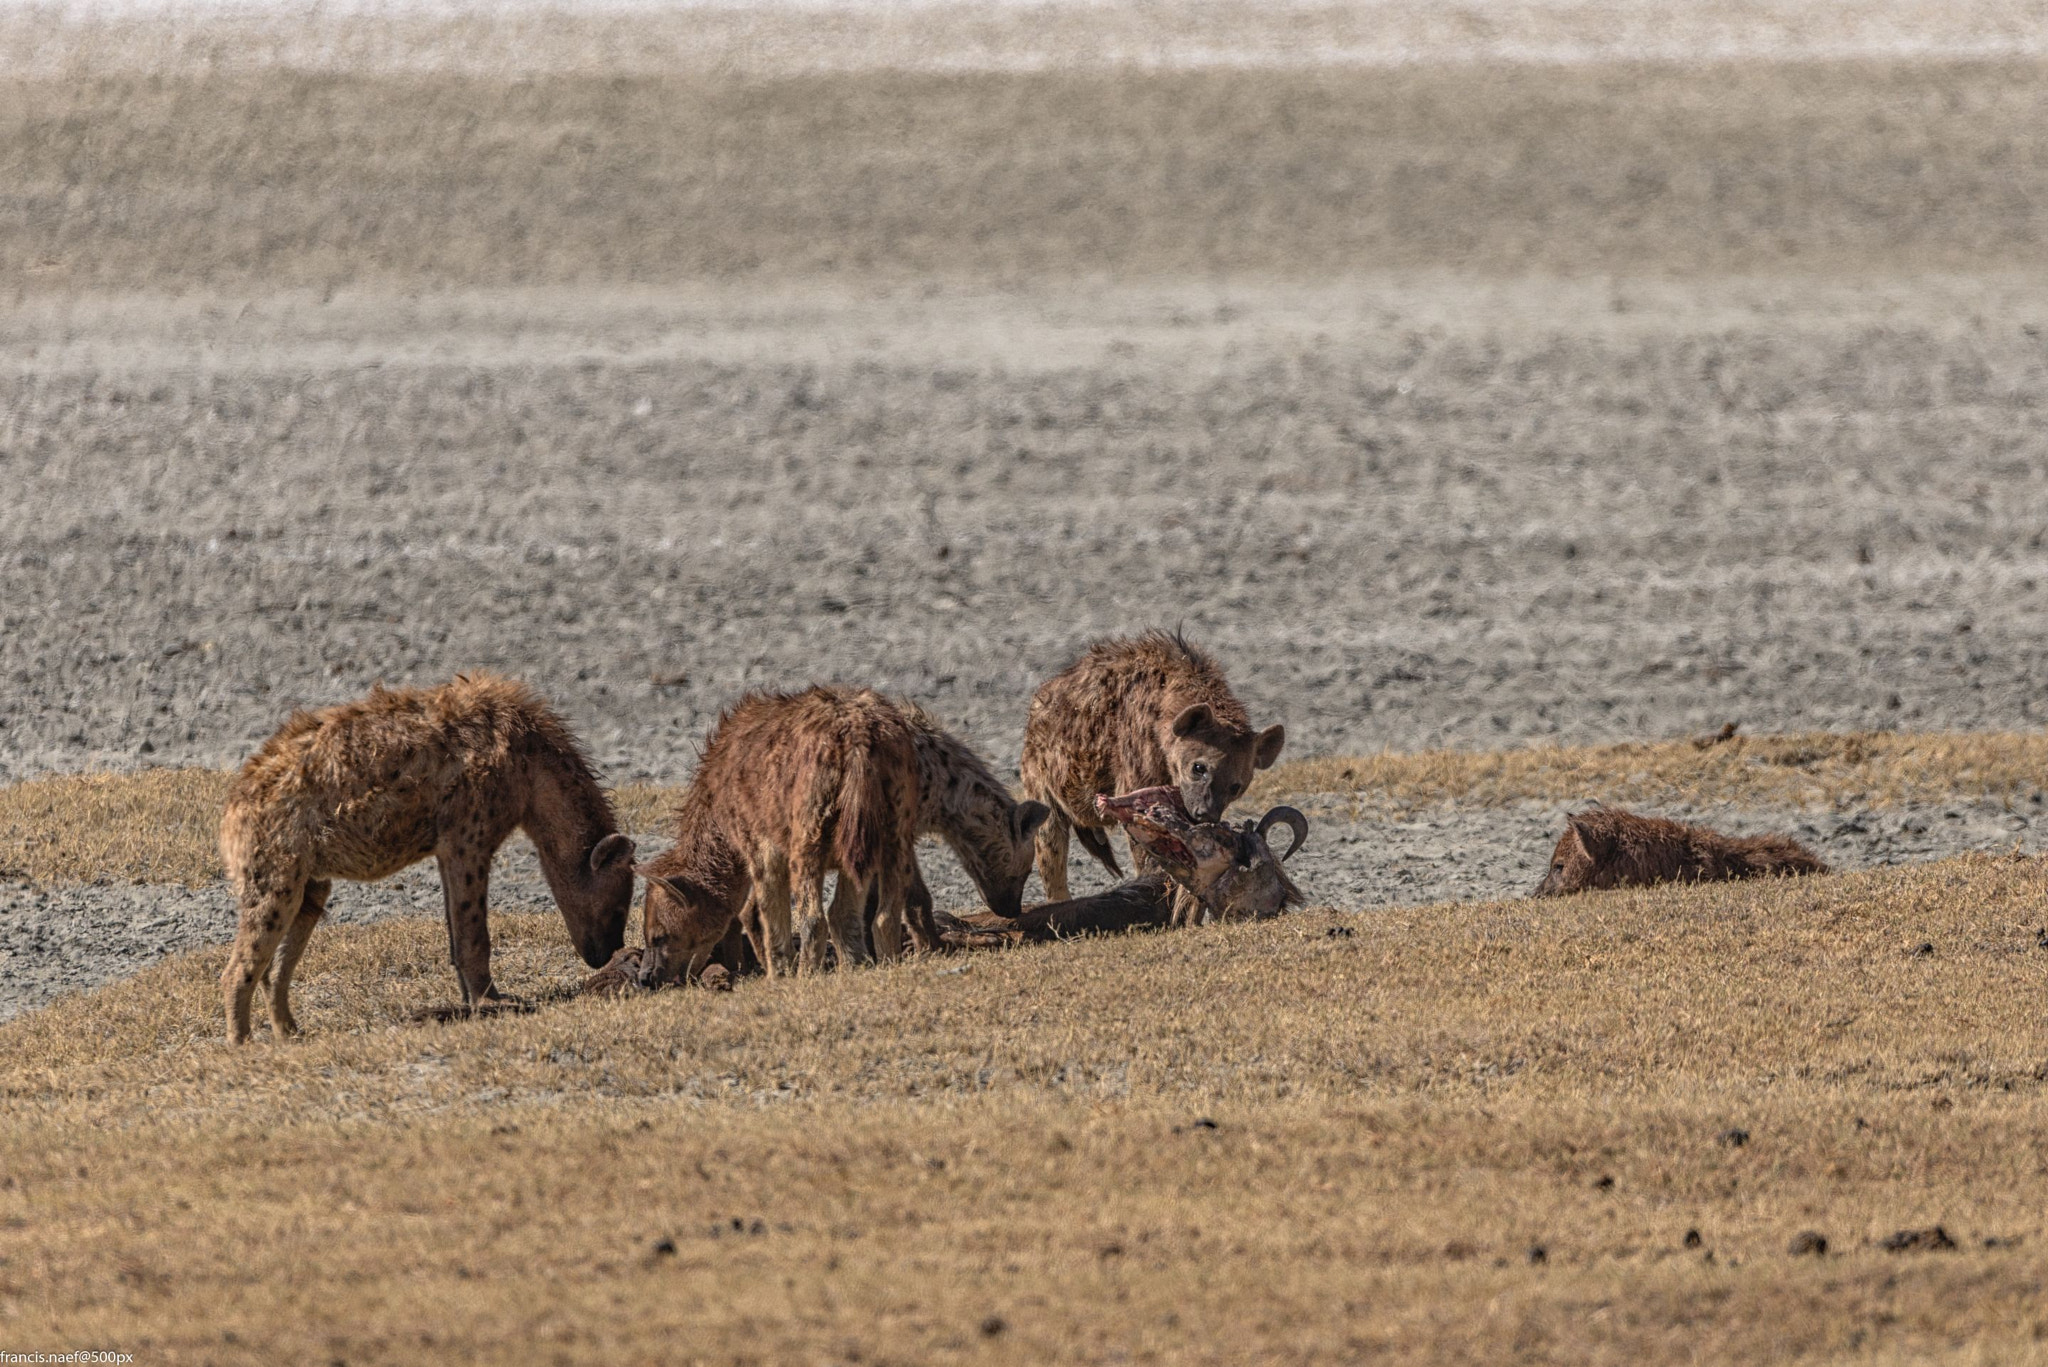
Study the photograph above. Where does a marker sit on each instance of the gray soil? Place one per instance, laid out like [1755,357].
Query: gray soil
[1458,406]
[62,939]
[1404,514]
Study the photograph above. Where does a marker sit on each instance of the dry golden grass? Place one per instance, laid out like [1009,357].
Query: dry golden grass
[160,825]
[1860,769]
[1401,1114]
[157,826]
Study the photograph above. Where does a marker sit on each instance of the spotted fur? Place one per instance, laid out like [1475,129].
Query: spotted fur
[1611,848]
[361,790]
[1135,713]
[792,786]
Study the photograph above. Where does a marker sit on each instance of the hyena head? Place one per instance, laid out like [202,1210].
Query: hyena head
[998,845]
[684,922]
[1575,863]
[1211,763]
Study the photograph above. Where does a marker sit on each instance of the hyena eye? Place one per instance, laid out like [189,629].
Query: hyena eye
[1558,867]
[1199,769]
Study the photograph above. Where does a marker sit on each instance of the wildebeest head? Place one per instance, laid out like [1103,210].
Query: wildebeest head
[1211,763]
[1230,869]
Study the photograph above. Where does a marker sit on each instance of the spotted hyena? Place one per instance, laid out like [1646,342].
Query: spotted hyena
[363,789]
[792,786]
[1611,848]
[1135,713]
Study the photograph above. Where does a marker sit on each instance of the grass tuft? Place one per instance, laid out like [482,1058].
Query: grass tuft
[156,826]
[1346,1131]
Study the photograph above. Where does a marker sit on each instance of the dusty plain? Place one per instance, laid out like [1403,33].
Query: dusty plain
[1524,376]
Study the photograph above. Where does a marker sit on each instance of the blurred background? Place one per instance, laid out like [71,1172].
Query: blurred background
[1462,376]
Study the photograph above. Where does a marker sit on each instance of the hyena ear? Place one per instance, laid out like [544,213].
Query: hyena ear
[1589,839]
[613,849]
[1270,741]
[1194,718]
[1028,817]
[657,880]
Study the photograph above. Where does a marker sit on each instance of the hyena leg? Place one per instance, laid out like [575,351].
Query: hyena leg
[755,929]
[807,905]
[770,920]
[465,897]
[1052,855]
[917,912]
[847,917]
[893,882]
[733,949]
[267,911]
[918,919]
[311,908]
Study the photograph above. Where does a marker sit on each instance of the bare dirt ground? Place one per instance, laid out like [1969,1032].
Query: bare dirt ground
[1405,515]
[1449,405]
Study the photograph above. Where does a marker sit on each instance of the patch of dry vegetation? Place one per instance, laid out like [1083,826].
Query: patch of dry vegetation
[156,826]
[1859,769]
[161,825]
[1012,1161]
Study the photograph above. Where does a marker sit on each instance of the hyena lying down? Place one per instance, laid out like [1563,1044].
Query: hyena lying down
[1611,848]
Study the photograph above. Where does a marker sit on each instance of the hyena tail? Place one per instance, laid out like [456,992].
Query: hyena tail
[865,816]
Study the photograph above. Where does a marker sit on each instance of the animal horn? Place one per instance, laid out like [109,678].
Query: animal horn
[1293,820]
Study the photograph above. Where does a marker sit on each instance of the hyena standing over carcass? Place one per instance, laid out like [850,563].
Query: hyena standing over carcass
[1135,713]
[961,801]
[361,790]
[792,786]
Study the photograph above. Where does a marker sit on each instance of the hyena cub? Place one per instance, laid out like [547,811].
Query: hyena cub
[1135,713]
[1611,848]
[791,787]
